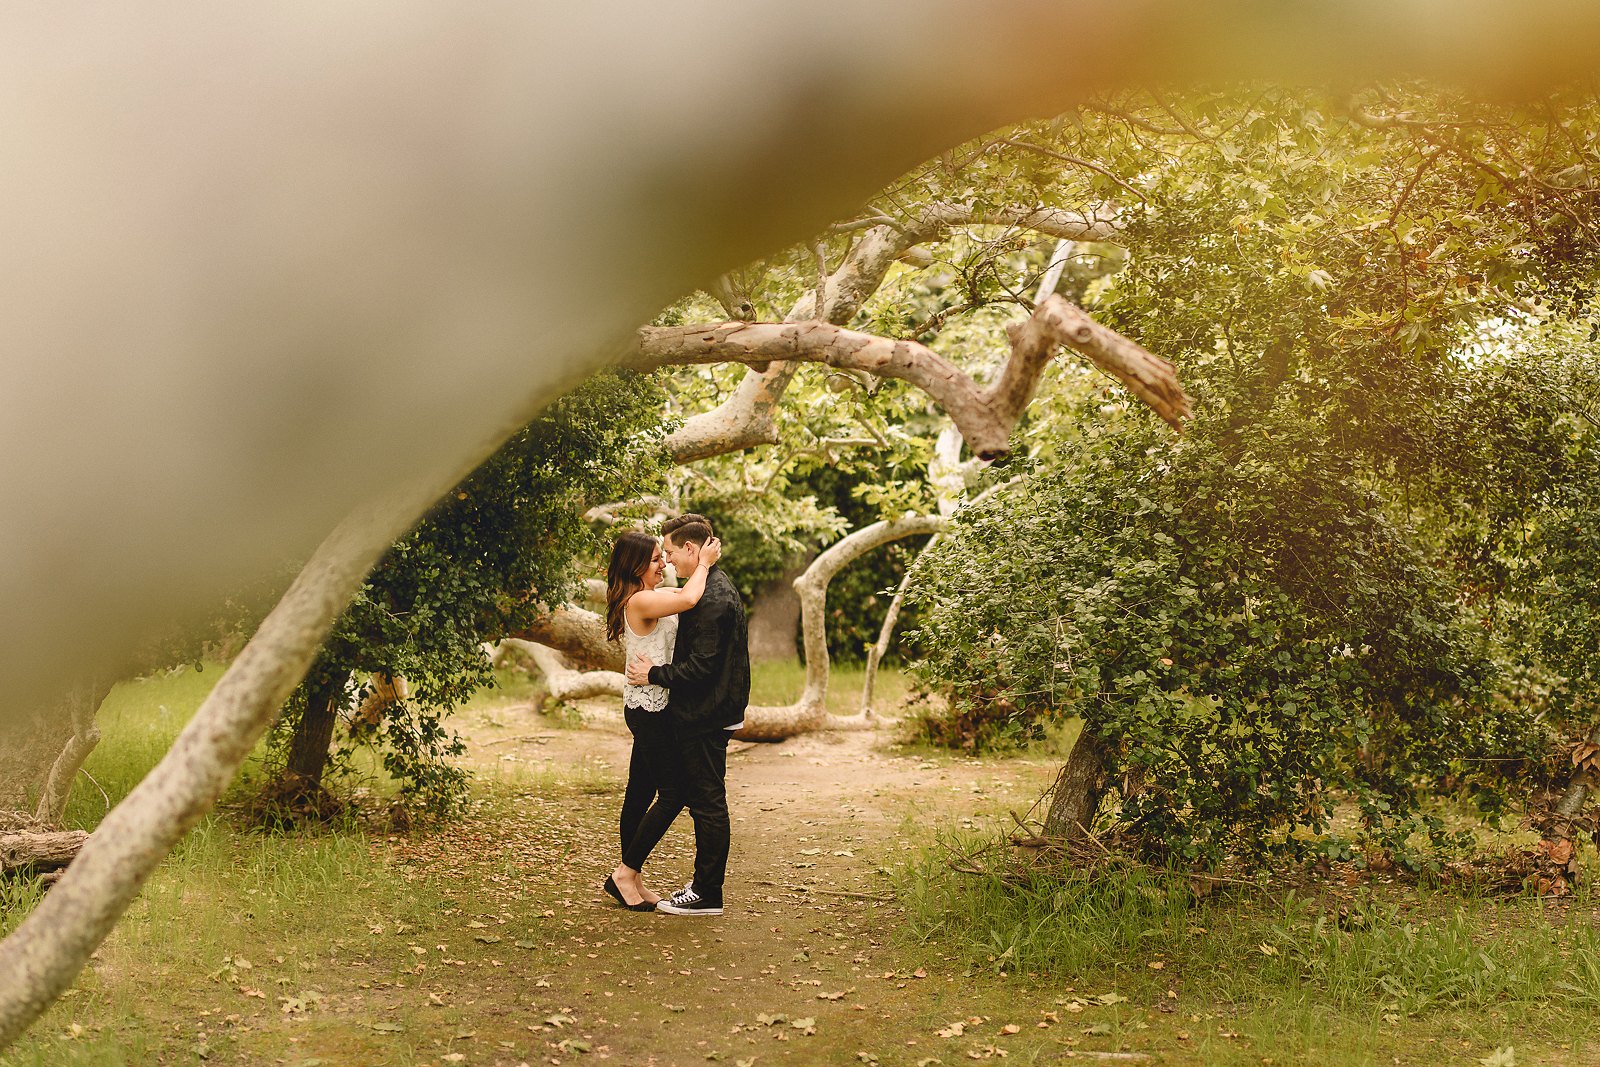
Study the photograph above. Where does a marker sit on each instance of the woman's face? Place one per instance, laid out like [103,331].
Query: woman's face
[653,570]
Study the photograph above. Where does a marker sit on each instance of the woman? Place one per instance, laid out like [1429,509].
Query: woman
[644,618]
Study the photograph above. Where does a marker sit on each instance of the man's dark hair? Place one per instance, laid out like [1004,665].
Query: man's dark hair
[689,533]
[677,523]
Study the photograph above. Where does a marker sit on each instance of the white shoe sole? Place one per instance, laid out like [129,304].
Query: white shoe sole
[669,909]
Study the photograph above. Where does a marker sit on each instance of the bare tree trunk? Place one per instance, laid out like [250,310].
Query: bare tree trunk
[775,618]
[1555,858]
[29,745]
[40,958]
[876,653]
[308,749]
[84,704]
[1078,790]
[38,850]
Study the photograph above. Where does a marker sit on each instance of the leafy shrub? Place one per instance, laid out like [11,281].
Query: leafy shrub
[1238,620]
[504,542]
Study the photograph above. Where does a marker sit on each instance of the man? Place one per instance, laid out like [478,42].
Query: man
[709,685]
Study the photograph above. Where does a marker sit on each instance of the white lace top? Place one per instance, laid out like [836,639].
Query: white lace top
[655,646]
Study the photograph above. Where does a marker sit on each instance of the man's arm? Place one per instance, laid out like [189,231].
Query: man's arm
[705,648]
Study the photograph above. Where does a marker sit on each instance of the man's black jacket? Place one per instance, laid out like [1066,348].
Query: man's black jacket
[709,676]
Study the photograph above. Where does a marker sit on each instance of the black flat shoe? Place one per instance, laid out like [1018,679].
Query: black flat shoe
[611,887]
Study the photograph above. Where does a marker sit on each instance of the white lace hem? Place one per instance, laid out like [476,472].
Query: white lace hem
[647,697]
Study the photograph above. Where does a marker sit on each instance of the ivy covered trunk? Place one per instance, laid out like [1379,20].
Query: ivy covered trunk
[308,750]
[1078,791]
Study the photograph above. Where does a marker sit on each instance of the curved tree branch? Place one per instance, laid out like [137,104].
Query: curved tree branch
[984,416]
[810,711]
[745,419]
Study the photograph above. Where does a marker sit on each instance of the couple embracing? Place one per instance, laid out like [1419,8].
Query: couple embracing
[688,683]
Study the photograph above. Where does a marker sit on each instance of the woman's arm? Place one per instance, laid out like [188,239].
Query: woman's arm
[648,604]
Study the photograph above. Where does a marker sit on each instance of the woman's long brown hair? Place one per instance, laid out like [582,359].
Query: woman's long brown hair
[625,575]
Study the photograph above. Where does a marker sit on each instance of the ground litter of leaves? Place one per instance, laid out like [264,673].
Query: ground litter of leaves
[507,953]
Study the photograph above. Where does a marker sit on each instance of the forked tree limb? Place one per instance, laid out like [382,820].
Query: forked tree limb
[1151,378]
[563,682]
[984,416]
[746,418]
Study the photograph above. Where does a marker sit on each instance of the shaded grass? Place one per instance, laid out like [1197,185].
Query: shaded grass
[1325,969]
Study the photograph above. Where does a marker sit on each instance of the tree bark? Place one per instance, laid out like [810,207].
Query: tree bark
[886,633]
[308,749]
[40,958]
[561,680]
[775,618]
[39,851]
[84,704]
[984,416]
[745,419]
[765,723]
[1078,790]
[579,635]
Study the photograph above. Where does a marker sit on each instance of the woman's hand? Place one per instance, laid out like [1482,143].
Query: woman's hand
[711,552]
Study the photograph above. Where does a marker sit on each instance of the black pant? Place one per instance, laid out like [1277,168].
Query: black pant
[705,789]
[655,785]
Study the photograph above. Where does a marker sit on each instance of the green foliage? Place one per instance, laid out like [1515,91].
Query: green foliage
[508,539]
[1240,622]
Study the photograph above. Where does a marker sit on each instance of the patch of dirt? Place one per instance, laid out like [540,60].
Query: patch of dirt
[802,968]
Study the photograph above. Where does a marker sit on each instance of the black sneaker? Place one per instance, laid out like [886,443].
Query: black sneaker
[687,902]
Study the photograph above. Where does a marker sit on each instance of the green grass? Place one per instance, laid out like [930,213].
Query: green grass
[238,925]
[779,682]
[138,723]
[1372,963]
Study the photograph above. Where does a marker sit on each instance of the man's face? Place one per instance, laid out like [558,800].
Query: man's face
[684,558]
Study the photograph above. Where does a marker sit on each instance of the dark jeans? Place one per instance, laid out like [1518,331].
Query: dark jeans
[655,785]
[705,790]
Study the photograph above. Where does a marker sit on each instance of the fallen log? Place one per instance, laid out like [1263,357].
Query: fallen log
[39,850]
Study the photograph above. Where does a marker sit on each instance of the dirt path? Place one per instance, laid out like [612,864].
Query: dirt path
[803,968]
